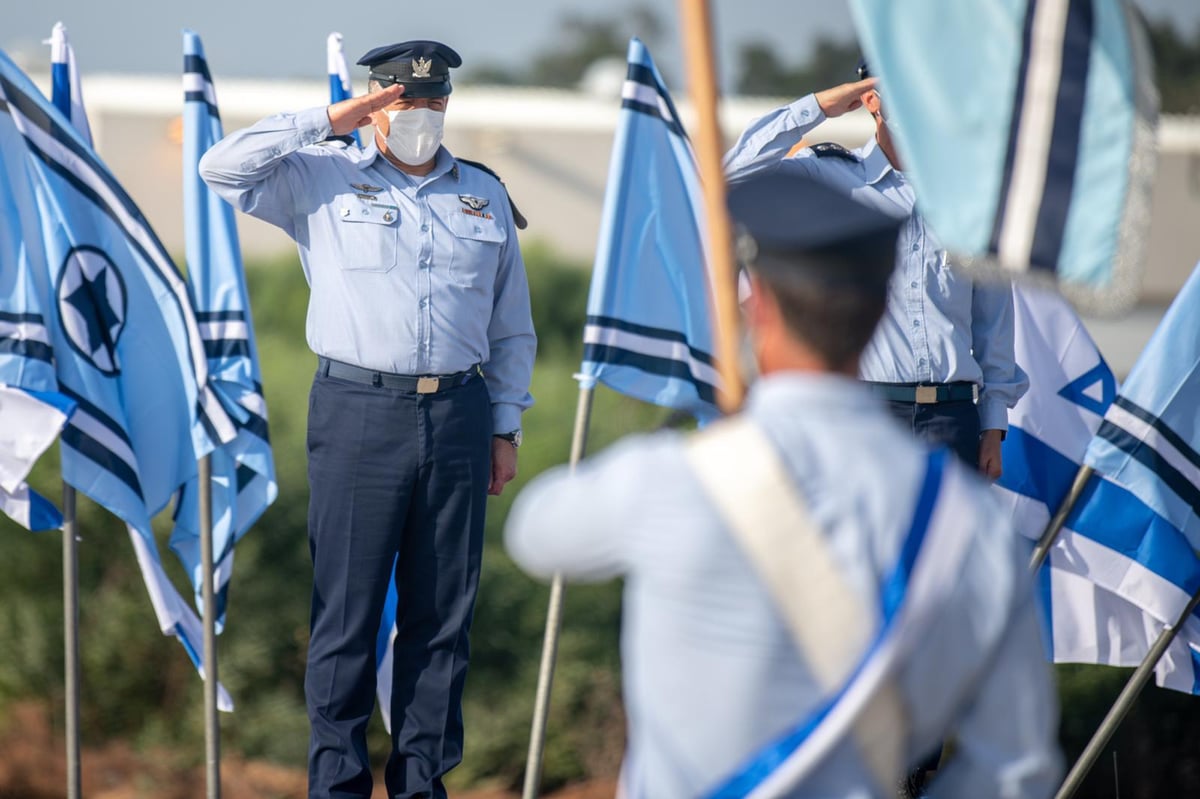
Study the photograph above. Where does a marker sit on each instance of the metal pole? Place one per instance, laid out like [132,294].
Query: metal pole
[541,702]
[71,638]
[1056,523]
[702,86]
[1116,714]
[212,728]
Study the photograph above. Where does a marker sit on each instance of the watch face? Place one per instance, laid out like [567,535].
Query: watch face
[516,438]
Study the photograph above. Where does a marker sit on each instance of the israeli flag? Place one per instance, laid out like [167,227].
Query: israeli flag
[127,347]
[1027,127]
[649,329]
[339,74]
[243,468]
[66,93]
[1118,572]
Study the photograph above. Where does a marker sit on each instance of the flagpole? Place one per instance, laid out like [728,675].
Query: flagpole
[1042,550]
[212,729]
[1121,707]
[71,638]
[702,85]
[541,703]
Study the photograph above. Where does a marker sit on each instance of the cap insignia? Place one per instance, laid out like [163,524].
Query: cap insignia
[421,67]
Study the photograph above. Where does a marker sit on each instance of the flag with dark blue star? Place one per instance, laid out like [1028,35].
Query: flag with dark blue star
[243,469]
[116,314]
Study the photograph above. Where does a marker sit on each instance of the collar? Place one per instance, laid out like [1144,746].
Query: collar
[779,392]
[875,163]
[443,162]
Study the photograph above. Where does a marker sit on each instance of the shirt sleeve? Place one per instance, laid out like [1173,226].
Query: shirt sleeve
[251,168]
[770,137]
[1004,382]
[511,340]
[1006,745]
[577,524]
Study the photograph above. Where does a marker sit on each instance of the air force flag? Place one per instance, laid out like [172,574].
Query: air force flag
[1027,127]
[649,330]
[127,348]
[1118,572]
[243,468]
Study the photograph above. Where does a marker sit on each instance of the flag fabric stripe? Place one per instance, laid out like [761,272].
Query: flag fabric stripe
[339,75]
[66,92]
[1160,466]
[1120,415]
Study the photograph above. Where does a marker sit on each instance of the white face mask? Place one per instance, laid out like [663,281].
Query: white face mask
[415,135]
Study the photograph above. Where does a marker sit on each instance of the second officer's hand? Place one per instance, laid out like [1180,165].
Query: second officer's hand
[349,115]
[847,97]
[504,465]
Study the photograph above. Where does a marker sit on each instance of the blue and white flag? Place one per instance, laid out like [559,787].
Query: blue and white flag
[1150,436]
[1118,572]
[243,469]
[30,422]
[66,93]
[339,74]
[127,347]
[649,330]
[1027,127]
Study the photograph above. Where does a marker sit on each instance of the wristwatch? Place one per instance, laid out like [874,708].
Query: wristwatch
[513,437]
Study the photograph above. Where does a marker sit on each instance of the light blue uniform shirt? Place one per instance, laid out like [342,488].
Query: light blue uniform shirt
[410,275]
[710,670]
[940,326]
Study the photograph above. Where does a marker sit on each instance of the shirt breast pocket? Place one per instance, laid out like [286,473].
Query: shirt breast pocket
[476,249]
[369,235]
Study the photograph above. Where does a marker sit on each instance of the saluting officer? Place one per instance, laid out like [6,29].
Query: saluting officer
[779,562]
[419,314]
[942,356]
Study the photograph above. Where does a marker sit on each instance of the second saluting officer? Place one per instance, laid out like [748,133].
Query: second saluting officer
[419,313]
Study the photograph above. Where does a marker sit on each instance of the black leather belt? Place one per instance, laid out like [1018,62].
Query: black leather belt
[927,394]
[429,384]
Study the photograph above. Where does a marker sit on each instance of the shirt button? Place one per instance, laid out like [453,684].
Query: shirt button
[424,303]
[912,285]
[916,323]
[916,247]
[921,362]
[424,228]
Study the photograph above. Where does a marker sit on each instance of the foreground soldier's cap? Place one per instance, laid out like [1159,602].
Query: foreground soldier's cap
[792,224]
[422,66]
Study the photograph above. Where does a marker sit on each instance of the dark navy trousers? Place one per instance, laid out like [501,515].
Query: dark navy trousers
[396,477]
[954,425]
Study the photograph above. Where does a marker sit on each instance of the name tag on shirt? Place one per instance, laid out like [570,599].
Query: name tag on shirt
[359,210]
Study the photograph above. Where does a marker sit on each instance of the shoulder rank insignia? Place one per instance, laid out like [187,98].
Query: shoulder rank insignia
[828,149]
[476,203]
[366,188]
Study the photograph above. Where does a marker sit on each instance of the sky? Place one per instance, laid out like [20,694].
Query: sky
[286,38]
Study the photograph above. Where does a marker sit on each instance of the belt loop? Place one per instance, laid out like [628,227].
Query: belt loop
[323,367]
[377,380]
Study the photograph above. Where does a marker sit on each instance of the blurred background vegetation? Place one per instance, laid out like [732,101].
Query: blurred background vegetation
[139,686]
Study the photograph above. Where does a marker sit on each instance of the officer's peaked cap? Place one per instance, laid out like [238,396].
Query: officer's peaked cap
[792,224]
[422,66]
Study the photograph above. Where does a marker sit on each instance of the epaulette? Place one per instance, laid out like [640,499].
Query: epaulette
[518,218]
[828,149]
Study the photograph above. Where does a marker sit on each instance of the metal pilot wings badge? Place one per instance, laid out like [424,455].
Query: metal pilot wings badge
[475,203]
[366,188]
[421,67]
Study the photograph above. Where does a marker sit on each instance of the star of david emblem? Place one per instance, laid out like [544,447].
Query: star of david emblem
[91,307]
[1094,390]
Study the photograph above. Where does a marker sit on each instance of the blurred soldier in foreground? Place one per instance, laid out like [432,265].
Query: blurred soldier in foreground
[812,599]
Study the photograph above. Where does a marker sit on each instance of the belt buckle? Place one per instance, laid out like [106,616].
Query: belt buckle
[927,395]
[427,385]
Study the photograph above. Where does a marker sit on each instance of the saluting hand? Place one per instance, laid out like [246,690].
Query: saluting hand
[847,97]
[349,115]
